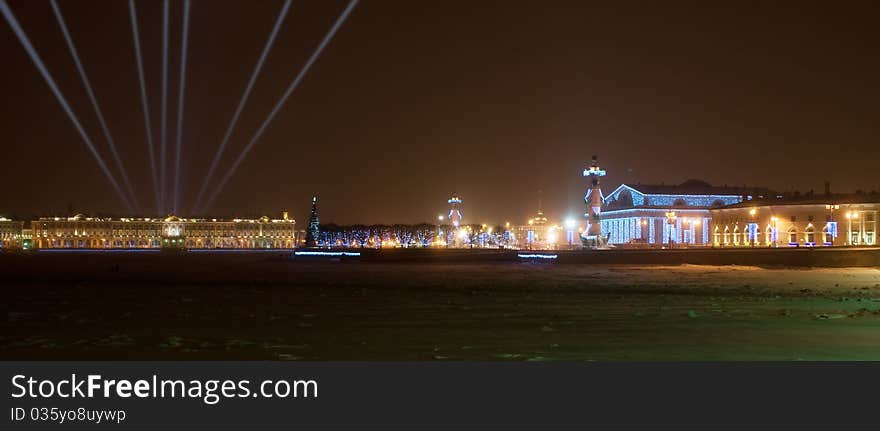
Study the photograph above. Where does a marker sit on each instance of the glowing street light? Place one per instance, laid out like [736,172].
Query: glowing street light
[670,220]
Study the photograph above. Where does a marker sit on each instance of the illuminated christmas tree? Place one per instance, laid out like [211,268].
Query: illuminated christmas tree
[314,225]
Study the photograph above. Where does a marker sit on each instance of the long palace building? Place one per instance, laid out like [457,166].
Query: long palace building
[81,232]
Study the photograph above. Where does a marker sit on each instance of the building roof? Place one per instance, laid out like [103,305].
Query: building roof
[811,199]
[700,187]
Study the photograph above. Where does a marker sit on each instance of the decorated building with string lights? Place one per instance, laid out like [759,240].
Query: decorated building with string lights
[667,214]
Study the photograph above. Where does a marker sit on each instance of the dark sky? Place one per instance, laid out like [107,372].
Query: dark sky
[414,100]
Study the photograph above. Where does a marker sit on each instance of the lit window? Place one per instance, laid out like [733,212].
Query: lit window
[810,235]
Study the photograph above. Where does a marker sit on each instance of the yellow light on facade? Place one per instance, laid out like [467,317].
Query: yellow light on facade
[753,212]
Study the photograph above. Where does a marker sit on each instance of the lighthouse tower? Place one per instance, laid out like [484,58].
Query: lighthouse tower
[592,237]
[454,211]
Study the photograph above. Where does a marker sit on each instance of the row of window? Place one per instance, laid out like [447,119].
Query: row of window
[751,234]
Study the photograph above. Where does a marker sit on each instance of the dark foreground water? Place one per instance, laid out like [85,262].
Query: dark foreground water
[265,306]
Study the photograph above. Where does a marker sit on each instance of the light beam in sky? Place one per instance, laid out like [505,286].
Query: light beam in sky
[241,103]
[163,131]
[183,45]
[32,52]
[280,103]
[150,147]
[94,100]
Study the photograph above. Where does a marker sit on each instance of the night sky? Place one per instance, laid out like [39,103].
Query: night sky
[412,101]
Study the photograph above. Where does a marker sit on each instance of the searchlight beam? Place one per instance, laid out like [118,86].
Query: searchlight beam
[281,101]
[241,103]
[32,52]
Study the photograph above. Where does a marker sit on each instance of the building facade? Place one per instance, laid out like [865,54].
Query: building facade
[11,234]
[666,215]
[81,232]
[831,220]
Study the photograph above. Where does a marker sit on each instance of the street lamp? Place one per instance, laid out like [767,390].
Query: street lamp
[440,226]
[570,224]
[850,216]
[774,233]
[670,220]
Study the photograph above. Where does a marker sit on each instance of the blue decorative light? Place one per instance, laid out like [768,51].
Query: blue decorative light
[832,228]
[326,253]
[594,171]
[536,256]
[237,250]
[661,199]
[752,230]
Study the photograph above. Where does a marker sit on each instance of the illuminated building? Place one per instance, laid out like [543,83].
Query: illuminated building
[81,232]
[798,221]
[593,237]
[536,234]
[11,233]
[666,215]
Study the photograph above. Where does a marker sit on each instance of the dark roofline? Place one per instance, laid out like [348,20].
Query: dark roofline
[697,187]
[811,199]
